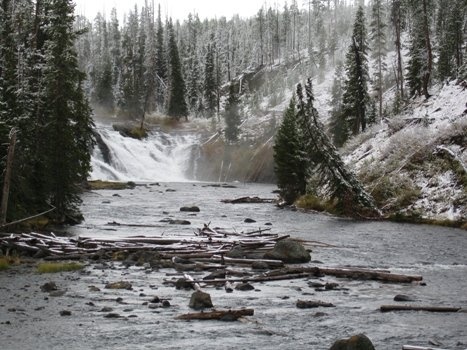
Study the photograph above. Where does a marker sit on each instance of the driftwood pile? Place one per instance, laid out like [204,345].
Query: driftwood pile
[206,243]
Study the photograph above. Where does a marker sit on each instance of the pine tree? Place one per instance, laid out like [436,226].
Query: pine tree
[378,40]
[338,124]
[115,48]
[396,20]
[450,35]
[67,114]
[129,98]
[210,82]
[323,160]
[355,95]
[177,106]
[161,62]
[232,116]
[193,86]
[290,166]
[149,63]
[420,64]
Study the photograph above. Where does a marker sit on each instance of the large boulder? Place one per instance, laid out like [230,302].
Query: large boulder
[289,251]
[356,342]
[200,300]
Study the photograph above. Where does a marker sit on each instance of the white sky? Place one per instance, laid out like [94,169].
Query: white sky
[177,9]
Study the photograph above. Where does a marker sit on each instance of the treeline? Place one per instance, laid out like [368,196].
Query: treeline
[149,63]
[44,107]
[129,65]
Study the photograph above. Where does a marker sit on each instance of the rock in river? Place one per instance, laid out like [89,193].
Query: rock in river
[289,251]
[200,300]
[119,285]
[49,287]
[356,342]
[193,209]
[402,297]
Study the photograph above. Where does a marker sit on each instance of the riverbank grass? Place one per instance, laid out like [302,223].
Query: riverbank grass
[7,261]
[54,267]
[4,264]
[94,185]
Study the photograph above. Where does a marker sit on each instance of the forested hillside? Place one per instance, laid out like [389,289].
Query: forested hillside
[372,64]
[369,62]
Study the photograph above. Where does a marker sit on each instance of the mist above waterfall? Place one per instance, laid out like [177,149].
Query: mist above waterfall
[159,157]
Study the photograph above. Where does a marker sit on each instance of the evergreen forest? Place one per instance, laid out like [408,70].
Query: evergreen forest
[374,56]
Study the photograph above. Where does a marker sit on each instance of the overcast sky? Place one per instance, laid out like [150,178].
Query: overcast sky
[177,9]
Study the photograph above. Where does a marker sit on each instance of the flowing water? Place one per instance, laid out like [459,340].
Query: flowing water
[438,254]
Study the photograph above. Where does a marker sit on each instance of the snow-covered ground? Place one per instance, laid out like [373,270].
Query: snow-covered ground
[423,151]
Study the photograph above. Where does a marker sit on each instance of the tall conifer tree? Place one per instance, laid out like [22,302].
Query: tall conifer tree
[177,106]
[69,125]
[355,97]
[290,165]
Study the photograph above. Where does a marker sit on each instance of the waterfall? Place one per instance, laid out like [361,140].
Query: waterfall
[160,157]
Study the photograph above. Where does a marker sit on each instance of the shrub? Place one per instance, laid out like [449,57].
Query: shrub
[312,202]
[395,192]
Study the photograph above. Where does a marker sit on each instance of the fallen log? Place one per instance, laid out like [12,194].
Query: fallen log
[221,315]
[256,279]
[360,274]
[357,274]
[387,308]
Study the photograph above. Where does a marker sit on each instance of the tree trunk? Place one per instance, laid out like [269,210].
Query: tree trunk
[426,29]
[6,181]
[397,28]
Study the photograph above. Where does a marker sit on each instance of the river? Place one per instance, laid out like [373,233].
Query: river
[159,166]
[438,254]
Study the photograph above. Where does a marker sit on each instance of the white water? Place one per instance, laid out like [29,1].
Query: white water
[160,157]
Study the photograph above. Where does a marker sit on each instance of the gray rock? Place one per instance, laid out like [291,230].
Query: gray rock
[249,221]
[65,313]
[244,287]
[106,309]
[57,293]
[200,300]
[49,287]
[289,251]
[309,304]
[356,342]
[182,283]
[402,297]
[179,222]
[119,285]
[193,209]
